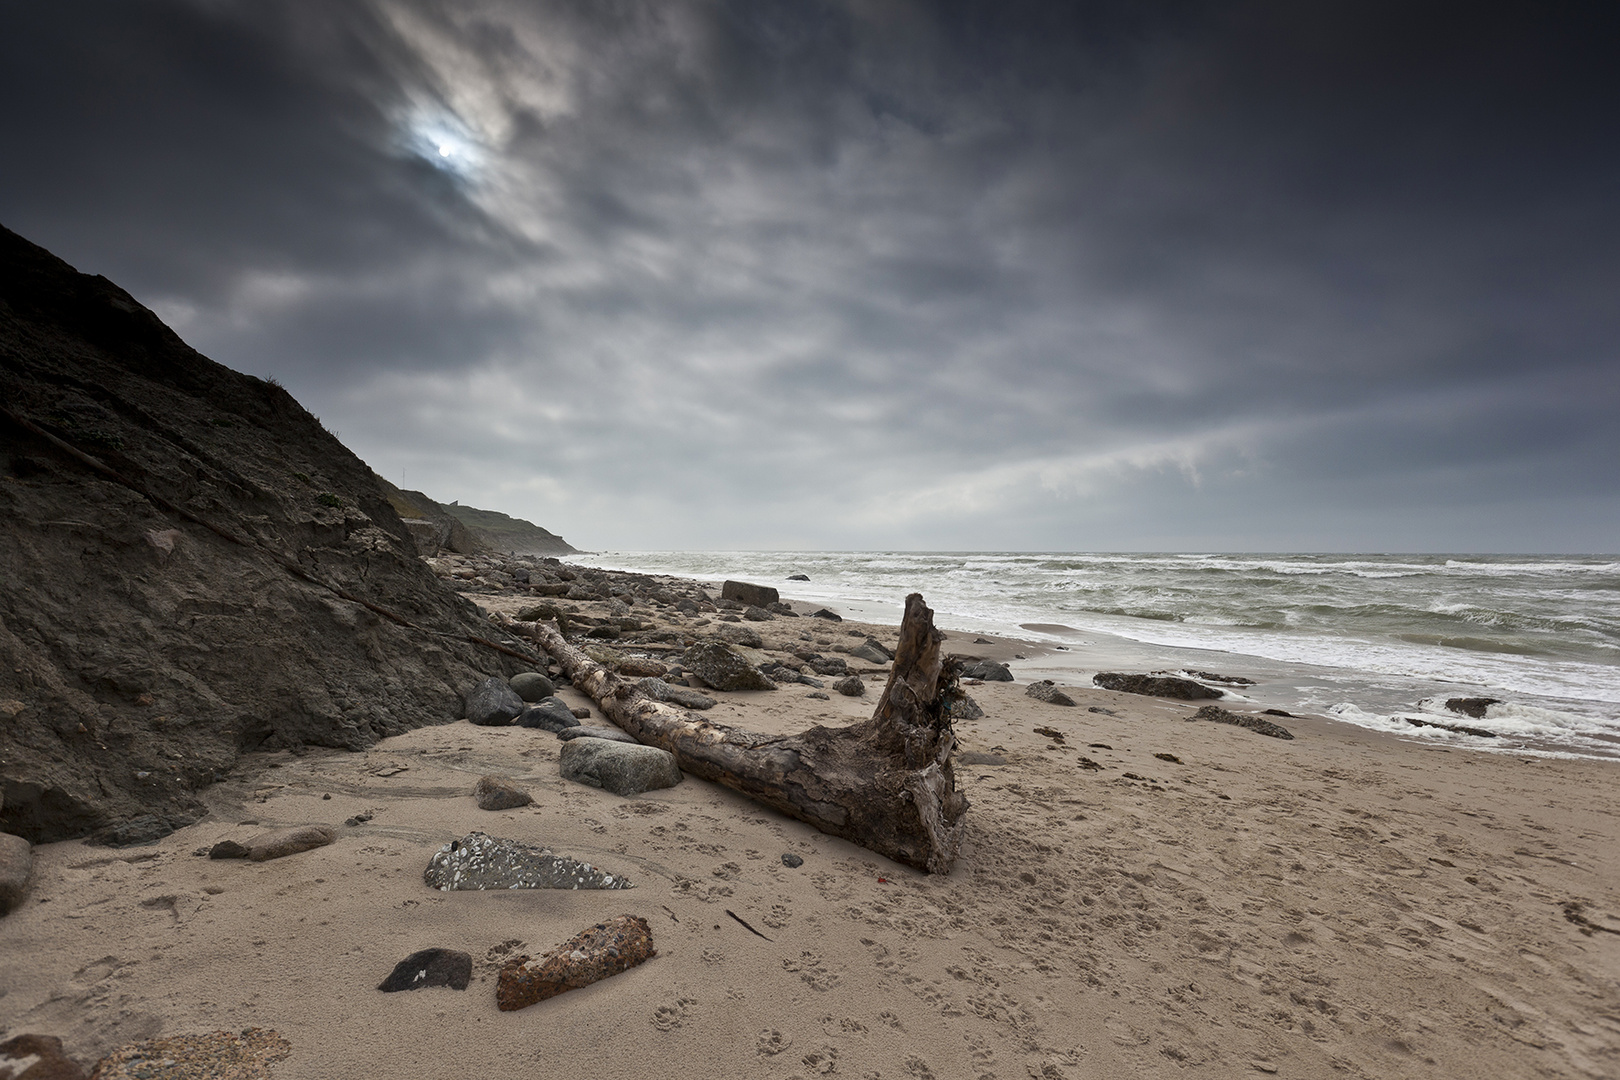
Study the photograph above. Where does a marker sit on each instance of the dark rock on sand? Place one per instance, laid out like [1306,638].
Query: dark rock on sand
[498,793]
[959,706]
[1166,686]
[1046,690]
[757,614]
[37,1057]
[429,967]
[284,842]
[16,863]
[1221,716]
[659,690]
[720,666]
[1471,706]
[870,654]
[532,686]
[1230,680]
[798,577]
[791,861]
[988,670]
[604,950]
[230,849]
[743,593]
[190,528]
[622,768]
[551,714]
[612,734]
[851,686]
[830,616]
[783,609]
[829,665]
[493,703]
[737,634]
[479,861]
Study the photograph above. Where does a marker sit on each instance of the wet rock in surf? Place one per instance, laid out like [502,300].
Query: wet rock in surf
[1168,686]
[1471,706]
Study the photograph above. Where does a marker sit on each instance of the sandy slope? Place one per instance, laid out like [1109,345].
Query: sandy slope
[1339,905]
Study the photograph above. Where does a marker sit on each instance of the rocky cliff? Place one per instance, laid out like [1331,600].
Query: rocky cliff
[190,567]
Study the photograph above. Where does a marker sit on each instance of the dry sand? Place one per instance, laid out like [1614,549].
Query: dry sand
[1339,905]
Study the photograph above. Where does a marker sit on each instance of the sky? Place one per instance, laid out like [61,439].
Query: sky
[771,274]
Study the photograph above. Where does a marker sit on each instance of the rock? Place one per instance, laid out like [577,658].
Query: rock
[143,828]
[605,632]
[37,1057]
[1231,680]
[757,614]
[230,849]
[818,695]
[622,768]
[493,704]
[498,793]
[878,646]
[1471,706]
[982,641]
[988,670]
[980,757]
[791,861]
[1046,690]
[638,667]
[830,665]
[479,861]
[961,707]
[612,734]
[737,634]
[868,653]
[783,609]
[218,1055]
[580,712]
[1221,716]
[551,714]
[851,686]
[429,967]
[604,950]
[720,666]
[798,577]
[16,863]
[1168,686]
[749,595]
[1460,729]
[659,690]
[531,686]
[284,842]
[830,616]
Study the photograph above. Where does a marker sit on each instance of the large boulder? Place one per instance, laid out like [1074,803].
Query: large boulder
[552,714]
[622,768]
[531,686]
[499,793]
[493,703]
[191,567]
[16,863]
[722,667]
[1168,686]
[986,670]
[1046,690]
[749,595]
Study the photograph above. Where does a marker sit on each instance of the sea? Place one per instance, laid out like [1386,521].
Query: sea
[1374,641]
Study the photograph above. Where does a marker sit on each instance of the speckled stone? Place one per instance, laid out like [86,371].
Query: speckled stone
[480,862]
[218,1055]
[606,949]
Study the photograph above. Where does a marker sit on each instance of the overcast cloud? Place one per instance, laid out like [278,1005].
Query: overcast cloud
[1270,276]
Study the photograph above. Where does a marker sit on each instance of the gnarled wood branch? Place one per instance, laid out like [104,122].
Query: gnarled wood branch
[886,784]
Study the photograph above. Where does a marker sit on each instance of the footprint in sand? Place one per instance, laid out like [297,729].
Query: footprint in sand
[772,1042]
[669,1017]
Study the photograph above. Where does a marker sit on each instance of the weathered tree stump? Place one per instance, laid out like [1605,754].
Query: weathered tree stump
[886,784]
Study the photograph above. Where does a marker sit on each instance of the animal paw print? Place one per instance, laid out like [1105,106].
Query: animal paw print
[822,1061]
[918,1068]
[778,918]
[809,967]
[670,1017]
[726,871]
[845,1027]
[889,1019]
[772,1042]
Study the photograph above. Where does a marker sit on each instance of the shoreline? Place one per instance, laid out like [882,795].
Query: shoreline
[1138,896]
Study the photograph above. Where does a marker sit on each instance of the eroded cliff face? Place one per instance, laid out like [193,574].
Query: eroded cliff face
[190,567]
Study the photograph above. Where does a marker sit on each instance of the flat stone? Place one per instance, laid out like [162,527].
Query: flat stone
[586,731]
[988,670]
[722,667]
[493,703]
[743,593]
[1046,690]
[592,955]
[218,1055]
[284,842]
[532,686]
[551,714]
[1168,686]
[622,768]
[479,862]
[37,1057]
[16,863]
[498,793]
[429,967]
[1221,716]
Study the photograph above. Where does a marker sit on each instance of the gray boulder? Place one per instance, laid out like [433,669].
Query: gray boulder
[988,670]
[850,687]
[757,614]
[550,714]
[830,665]
[830,616]
[869,653]
[960,706]
[532,686]
[16,862]
[479,861]
[1046,690]
[498,793]
[622,768]
[744,593]
[593,732]
[493,704]
[659,690]
[738,634]
[722,667]
[1169,686]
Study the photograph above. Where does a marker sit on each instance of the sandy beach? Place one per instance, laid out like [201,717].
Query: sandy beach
[1142,896]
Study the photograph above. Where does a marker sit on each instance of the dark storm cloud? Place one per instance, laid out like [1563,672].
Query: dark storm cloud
[852,274]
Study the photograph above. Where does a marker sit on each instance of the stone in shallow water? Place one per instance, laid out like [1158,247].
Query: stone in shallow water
[479,861]
[606,949]
[429,967]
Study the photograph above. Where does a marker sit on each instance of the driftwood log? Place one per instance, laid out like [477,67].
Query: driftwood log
[886,784]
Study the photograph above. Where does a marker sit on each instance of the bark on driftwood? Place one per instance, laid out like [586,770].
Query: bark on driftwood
[886,784]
